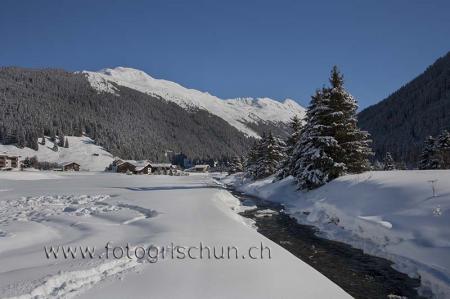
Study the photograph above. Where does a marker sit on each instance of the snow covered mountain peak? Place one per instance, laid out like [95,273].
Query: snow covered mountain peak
[237,112]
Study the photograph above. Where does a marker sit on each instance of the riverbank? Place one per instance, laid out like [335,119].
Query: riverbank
[361,275]
[392,215]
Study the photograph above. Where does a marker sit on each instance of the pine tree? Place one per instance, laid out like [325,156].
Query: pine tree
[236,165]
[443,147]
[52,136]
[270,155]
[43,139]
[252,158]
[286,165]
[388,162]
[429,157]
[20,137]
[61,139]
[66,143]
[331,142]
[316,155]
[354,142]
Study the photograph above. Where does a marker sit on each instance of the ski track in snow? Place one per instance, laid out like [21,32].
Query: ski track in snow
[70,284]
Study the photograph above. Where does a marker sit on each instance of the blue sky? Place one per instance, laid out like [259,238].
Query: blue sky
[234,48]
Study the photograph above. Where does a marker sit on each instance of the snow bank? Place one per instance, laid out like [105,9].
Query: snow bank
[82,150]
[392,214]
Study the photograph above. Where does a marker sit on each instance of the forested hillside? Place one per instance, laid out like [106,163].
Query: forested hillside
[130,124]
[400,123]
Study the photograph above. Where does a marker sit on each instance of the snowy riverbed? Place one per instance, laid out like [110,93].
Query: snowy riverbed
[91,209]
[392,214]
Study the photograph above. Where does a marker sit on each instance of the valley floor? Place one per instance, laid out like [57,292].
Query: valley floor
[43,209]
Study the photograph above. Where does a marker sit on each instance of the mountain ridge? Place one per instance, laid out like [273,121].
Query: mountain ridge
[400,123]
[237,112]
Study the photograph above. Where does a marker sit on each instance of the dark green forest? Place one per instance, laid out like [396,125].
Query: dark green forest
[130,124]
[400,123]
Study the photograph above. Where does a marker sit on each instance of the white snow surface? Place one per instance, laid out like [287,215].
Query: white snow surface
[235,111]
[81,150]
[391,214]
[91,209]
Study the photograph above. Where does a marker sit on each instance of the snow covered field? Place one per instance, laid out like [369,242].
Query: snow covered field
[40,209]
[392,214]
[82,150]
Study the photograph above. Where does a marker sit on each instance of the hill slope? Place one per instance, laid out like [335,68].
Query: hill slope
[242,113]
[400,123]
[132,125]
[131,114]
[81,150]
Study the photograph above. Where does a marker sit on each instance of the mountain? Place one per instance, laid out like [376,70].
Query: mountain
[400,123]
[126,121]
[241,113]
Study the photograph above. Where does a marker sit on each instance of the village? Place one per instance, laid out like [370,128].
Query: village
[14,163]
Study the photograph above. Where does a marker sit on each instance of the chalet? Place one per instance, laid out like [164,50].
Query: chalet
[125,166]
[136,167]
[201,168]
[9,161]
[71,166]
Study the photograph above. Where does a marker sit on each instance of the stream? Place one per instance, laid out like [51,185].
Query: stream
[359,274]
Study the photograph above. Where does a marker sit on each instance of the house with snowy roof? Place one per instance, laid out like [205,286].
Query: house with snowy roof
[9,161]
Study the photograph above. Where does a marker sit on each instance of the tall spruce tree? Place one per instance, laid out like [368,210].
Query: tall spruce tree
[388,162]
[443,147]
[236,165]
[331,142]
[296,129]
[270,155]
[354,142]
[252,158]
[428,157]
[61,139]
[316,155]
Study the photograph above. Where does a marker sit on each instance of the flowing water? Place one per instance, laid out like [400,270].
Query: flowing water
[359,274]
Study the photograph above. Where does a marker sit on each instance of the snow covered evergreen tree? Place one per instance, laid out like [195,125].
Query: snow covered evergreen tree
[270,155]
[354,142]
[316,155]
[236,165]
[66,143]
[252,158]
[388,162]
[443,147]
[428,157]
[296,129]
[61,139]
[331,142]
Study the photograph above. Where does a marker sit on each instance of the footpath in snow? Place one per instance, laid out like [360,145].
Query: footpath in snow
[42,209]
[392,214]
